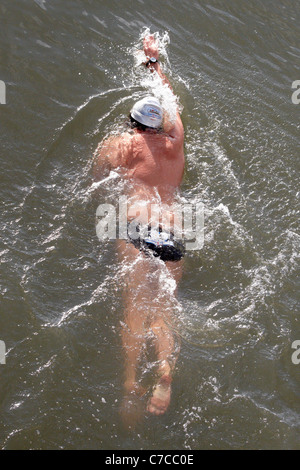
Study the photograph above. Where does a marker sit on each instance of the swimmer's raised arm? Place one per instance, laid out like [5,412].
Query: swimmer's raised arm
[174,129]
[151,51]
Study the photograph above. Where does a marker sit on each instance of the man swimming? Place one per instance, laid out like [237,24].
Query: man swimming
[151,157]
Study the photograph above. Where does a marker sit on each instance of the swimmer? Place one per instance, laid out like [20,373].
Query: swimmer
[151,156]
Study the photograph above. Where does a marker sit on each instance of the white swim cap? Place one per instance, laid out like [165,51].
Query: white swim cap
[148,112]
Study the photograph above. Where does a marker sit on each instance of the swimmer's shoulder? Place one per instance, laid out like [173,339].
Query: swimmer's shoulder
[176,131]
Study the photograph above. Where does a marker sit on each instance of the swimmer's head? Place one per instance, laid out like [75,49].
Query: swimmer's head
[148,112]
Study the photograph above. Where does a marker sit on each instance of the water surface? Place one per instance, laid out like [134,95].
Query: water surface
[71,80]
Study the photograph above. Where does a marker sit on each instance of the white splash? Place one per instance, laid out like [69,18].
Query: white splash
[151,81]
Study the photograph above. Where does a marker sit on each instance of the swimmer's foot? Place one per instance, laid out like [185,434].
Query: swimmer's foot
[161,397]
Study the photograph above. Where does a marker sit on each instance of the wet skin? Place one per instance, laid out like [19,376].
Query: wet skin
[153,162]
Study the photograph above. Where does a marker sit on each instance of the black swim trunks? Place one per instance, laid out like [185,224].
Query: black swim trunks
[156,242]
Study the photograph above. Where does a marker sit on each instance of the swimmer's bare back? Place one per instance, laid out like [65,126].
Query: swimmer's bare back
[154,159]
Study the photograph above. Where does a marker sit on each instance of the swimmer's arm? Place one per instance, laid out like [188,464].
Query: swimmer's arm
[156,66]
[151,50]
[169,127]
[107,157]
[174,130]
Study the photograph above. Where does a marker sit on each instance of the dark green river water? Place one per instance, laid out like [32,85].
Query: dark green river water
[70,77]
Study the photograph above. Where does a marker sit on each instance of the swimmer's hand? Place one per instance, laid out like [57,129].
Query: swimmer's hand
[151,46]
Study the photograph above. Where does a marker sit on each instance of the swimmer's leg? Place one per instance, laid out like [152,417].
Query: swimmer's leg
[166,347]
[138,300]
